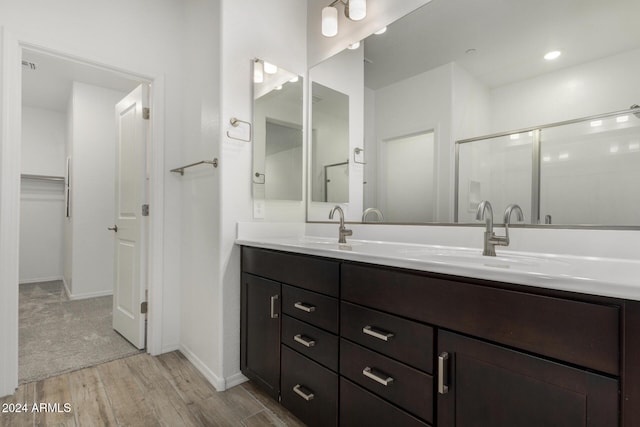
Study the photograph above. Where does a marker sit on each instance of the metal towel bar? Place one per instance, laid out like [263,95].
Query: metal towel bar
[181,169]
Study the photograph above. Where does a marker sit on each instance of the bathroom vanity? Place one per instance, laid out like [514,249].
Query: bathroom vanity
[344,342]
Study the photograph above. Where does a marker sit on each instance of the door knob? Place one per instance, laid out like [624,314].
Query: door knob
[114,228]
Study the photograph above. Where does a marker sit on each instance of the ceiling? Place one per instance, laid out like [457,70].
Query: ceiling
[49,84]
[508,38]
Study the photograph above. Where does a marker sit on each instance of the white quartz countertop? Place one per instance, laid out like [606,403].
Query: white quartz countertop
[619,278]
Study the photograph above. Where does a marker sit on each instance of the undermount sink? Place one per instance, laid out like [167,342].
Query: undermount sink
[474,256]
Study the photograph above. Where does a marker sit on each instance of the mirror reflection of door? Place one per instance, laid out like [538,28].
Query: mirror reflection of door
[330,145]
[407,188]
[337,183]
[283,161]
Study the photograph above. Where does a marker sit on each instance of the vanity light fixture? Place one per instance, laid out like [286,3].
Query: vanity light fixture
[355,10]
[554,54]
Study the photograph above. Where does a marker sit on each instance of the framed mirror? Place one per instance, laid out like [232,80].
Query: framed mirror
[460,69]
[278,133]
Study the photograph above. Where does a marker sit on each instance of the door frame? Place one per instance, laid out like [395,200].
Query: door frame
[10,160]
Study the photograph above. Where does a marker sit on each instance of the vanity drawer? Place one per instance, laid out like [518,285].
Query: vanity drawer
[405,340]
[309,390]
[316,274]
[400,384]
[585,334]
[359,408]
[312,307]
[313,342]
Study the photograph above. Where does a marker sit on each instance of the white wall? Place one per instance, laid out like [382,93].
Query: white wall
[199,300]
[93,155]
[43,141]
[275,32]
[426,101]
[42,202]
[141,36]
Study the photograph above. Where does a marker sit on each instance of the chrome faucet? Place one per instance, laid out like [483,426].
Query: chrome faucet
[490,238]
[372,210]
[343,232]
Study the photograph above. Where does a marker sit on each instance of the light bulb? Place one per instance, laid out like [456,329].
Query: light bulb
[329,21]
[270,68]
[258,73]
[381,31]
[357,9]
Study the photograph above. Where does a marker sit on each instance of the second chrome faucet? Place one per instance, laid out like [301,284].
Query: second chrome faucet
[490,239]
[343,232]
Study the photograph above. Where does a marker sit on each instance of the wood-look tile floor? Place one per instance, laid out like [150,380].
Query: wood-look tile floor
[140,391]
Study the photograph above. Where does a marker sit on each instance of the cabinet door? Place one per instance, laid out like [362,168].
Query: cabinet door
[260,332]
[481,384]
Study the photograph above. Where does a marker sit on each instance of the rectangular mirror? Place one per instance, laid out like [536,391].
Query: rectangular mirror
[278,133]
[460,70]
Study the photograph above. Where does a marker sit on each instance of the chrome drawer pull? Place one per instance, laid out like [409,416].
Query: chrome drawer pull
[369,374]
[442,359]
[304,342]
[377,333]
[306,396]
[308,308]
[274,314]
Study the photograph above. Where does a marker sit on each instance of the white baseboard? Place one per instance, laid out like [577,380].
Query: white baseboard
[41,279]
[88,295]
[216,381]
[235,379]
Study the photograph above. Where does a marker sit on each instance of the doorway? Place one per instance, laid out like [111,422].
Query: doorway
[66,258]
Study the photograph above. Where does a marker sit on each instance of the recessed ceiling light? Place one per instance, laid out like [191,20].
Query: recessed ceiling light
[354,46]
[294,79]
[381,31]
[550,56]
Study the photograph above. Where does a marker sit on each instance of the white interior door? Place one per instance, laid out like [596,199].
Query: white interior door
[130,257]
[408,185]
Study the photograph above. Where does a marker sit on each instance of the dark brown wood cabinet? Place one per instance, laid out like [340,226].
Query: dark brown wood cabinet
[488,385]
[260,334]
[384,346]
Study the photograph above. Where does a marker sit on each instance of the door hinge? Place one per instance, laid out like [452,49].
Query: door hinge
[146,113]
[145,209]
[144,307]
